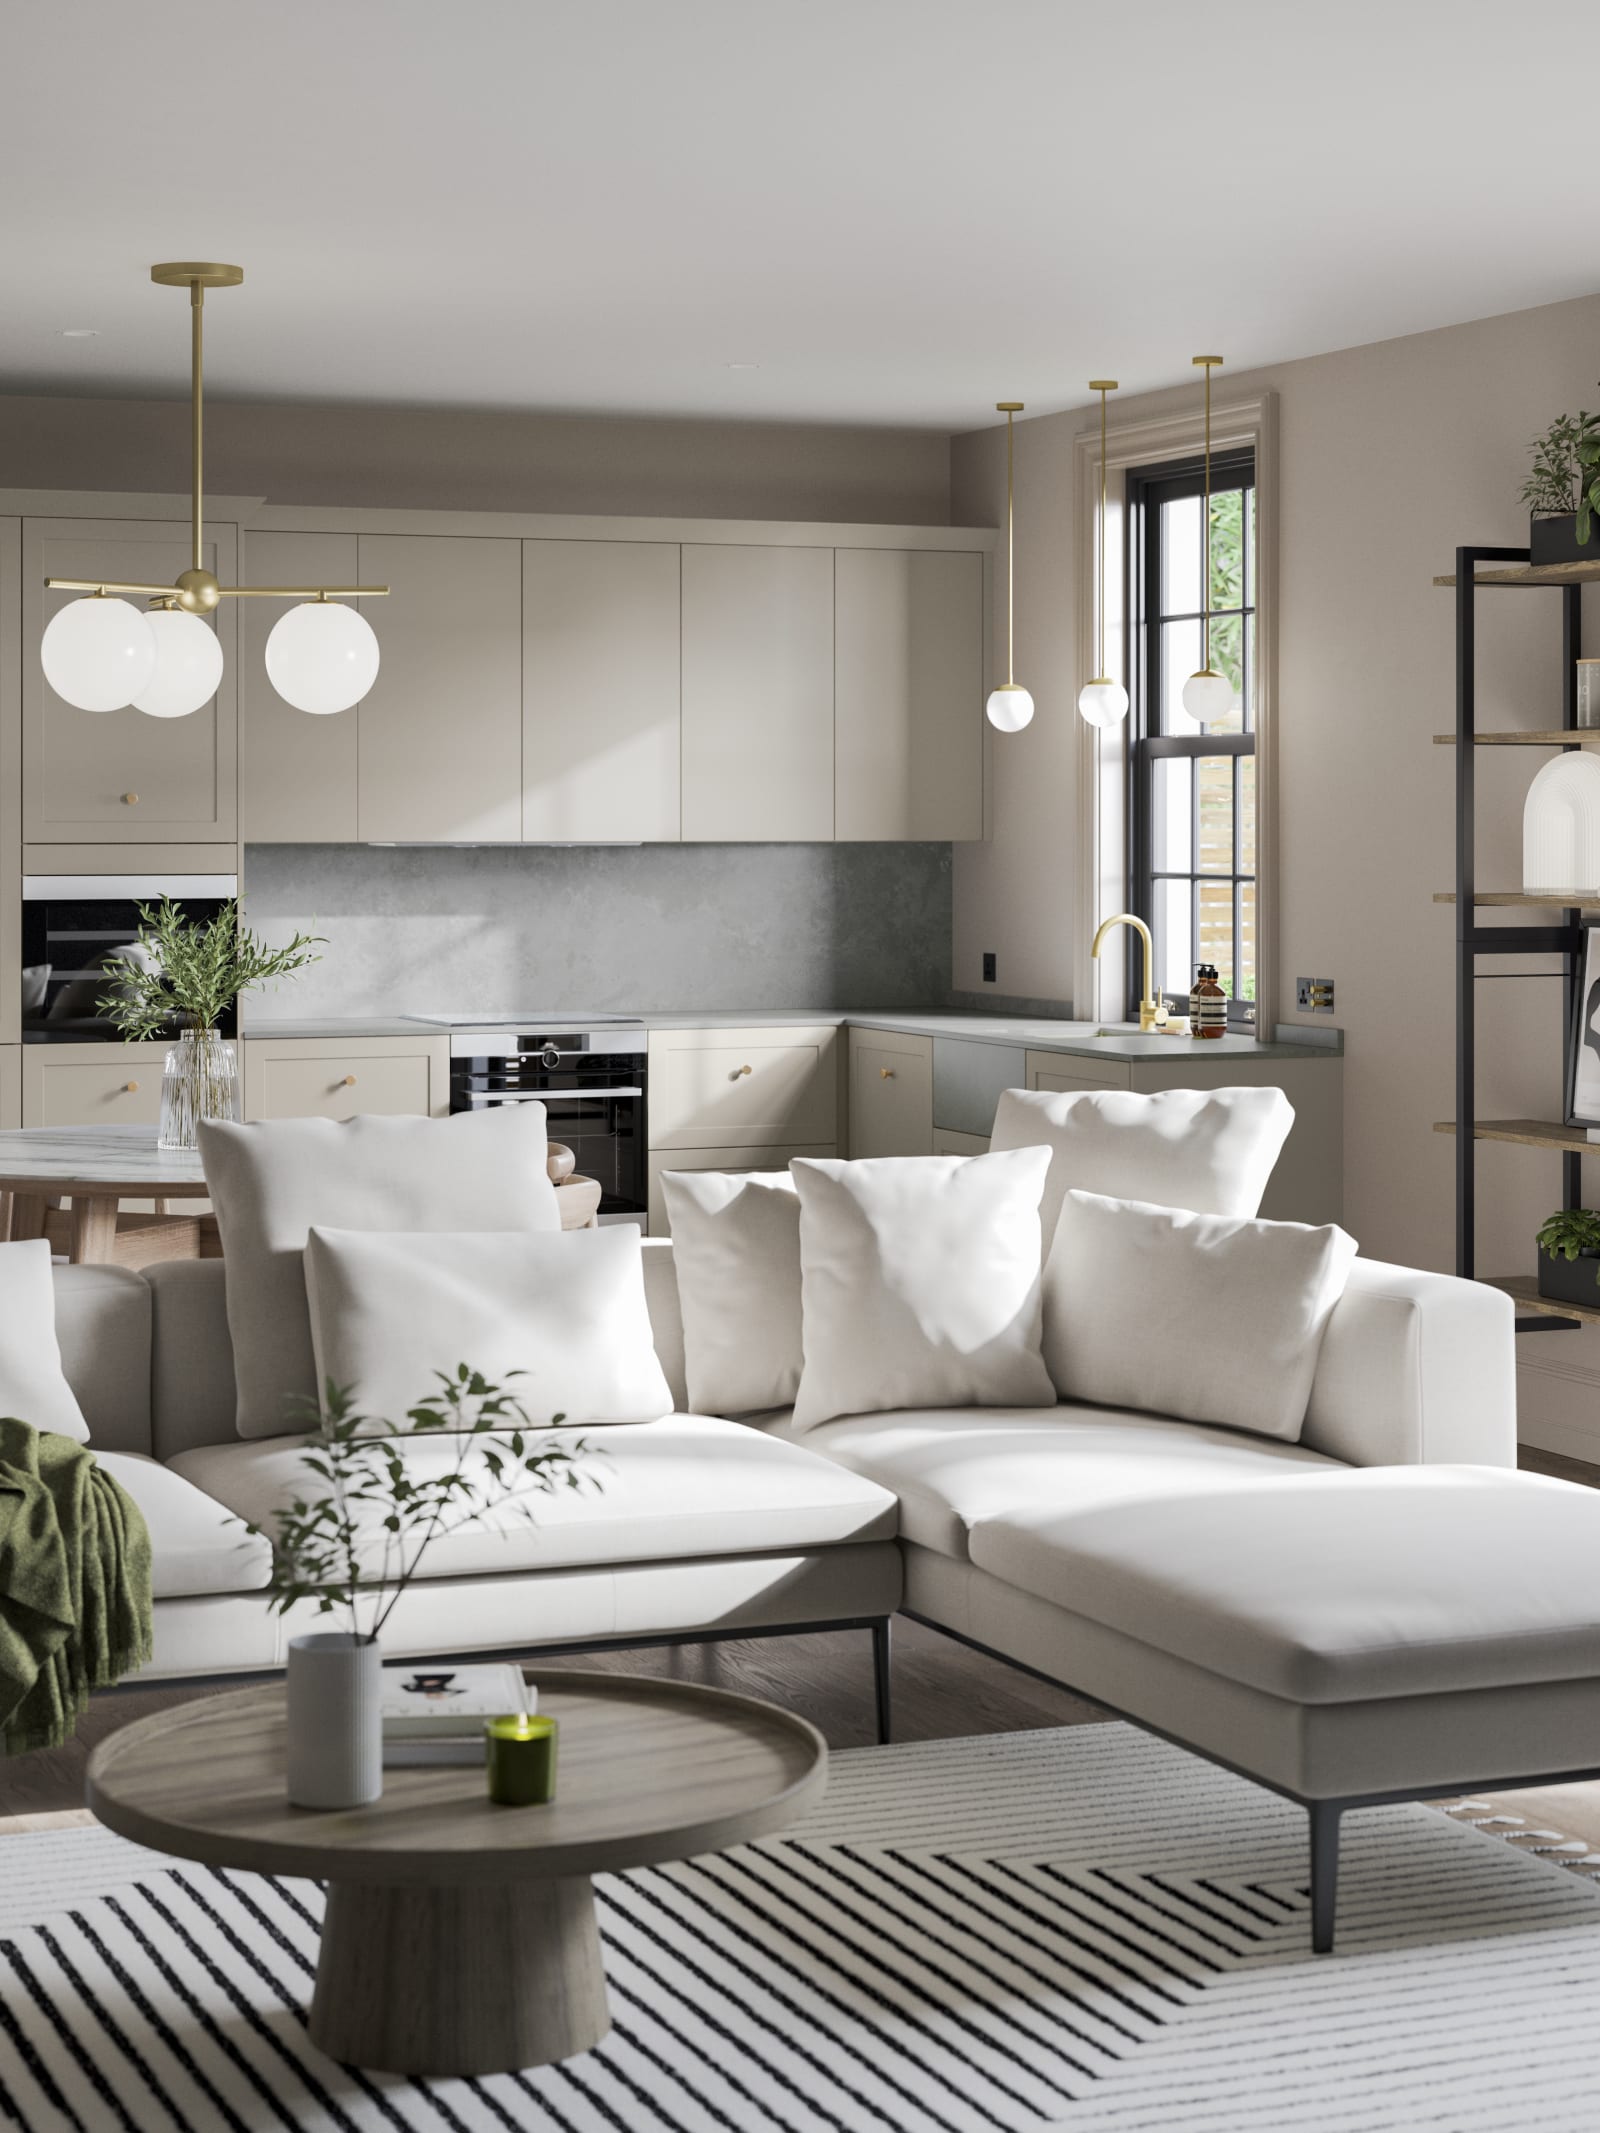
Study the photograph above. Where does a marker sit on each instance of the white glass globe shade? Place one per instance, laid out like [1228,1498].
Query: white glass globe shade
[1102,703]
[1208,697]
[98,654]
[1009,707]
[322,656]
[188,665]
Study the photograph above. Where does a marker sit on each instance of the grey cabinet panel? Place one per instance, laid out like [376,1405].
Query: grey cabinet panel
[969,1077]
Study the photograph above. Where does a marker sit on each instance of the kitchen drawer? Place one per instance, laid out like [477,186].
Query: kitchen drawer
[744,1088]
[741,1161]
[10,1086]
[891,1093]
[92,1084]
[302,1077]
[947,1143]
[1066,1071]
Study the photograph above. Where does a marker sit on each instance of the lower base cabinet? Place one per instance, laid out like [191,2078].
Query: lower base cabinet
[948,1143]
[346,1077]
[891,1093]
[92,1084]
[10,1086]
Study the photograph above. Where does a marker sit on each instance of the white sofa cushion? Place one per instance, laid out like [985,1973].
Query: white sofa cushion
[736,1245]
[270,1182]
[1207,1317]
[920,1283]
[954,1467]
[1334,1588]
[1208,1149]
[196,1544]
[559,1320]
[33,1386]
[690,1485]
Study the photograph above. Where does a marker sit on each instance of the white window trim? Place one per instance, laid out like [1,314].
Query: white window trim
[1099,990]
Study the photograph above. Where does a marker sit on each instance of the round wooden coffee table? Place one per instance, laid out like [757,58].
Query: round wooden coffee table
[460,1937]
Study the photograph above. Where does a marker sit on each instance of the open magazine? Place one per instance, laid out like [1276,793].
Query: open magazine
[435,1714]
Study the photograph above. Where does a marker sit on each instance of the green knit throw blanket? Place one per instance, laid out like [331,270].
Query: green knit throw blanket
[74,1584]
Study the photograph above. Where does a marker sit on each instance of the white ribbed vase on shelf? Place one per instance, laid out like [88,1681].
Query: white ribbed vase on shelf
[1561,826]
[335,1719]
[200,1080]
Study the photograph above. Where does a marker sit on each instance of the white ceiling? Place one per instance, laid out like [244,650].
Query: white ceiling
[899,211]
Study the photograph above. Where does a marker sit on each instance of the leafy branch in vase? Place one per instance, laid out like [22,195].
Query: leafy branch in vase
[190,971]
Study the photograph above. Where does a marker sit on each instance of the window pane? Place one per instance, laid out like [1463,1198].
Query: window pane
[1216,929]
[1247,941]
[1250,547]
[1180,556]
[1227,656]
[1247,814]
[1174,930]
[1172,815]
[1180,656]
[1227,548]
[1216,814]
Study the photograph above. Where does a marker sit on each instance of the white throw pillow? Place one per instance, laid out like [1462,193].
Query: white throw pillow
[920,1283]
[1208,1149]
[392,1310]
[1212,1318]
[269,1183]
[33,1386]
[736,1247]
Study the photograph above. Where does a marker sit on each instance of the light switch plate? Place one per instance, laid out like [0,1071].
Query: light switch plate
[989,970]
[1314,996]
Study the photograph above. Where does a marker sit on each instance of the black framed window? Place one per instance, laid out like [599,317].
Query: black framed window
[1192,787]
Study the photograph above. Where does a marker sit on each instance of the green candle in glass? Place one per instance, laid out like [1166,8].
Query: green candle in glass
[522,1760]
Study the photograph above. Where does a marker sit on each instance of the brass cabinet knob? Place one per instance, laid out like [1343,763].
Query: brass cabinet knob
[130,1088]
[348,1082]
[734,1076]
[130,799]
[886,1073]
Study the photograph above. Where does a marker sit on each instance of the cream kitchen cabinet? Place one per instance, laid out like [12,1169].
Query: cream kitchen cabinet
[92,1084]
[1066,1071]
[297,771]
[908,694]
[891,1093]
[745,1088]
[10,1086]
[742,1161]
[947,1143]
[118,776]
[440,731]
[601,692]
[757,694]
[347,1077]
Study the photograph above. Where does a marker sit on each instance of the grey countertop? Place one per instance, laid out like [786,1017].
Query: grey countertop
[1035,1035]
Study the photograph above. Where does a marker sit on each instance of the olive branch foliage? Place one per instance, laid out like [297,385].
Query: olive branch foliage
[192,970]
[1565,474]
[361,1485]
[1570,1232]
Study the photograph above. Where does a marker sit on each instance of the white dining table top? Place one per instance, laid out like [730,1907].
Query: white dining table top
[52,1157]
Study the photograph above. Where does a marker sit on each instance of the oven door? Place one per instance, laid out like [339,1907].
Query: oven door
[604,1128]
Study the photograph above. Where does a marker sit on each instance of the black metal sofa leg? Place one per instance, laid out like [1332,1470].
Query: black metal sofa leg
[1325,1816]
[880,1677]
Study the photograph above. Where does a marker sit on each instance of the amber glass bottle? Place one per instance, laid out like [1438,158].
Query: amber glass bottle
[1208,1004]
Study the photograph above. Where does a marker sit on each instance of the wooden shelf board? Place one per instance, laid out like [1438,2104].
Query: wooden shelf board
[1528,1133]
[1523,1289]
[1535,574]
[1553,737]
[1549,899]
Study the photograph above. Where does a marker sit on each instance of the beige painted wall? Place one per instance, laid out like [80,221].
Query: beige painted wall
[1390,454]
[461,459]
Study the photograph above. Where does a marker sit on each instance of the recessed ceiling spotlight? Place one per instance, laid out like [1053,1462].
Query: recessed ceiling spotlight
[80,333]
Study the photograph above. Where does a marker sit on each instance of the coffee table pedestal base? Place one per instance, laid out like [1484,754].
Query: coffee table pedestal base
[459,1980]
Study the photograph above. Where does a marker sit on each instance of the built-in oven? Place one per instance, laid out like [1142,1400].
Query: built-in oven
[591,1081]
[73,925]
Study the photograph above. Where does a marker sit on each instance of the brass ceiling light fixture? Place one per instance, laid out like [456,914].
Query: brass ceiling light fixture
[1010,706]
[1103,701]
[1207,696]
[101,652]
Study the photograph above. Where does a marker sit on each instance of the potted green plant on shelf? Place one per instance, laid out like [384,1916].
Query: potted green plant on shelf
[1562,491]
[1569,1256]
[184,975]
[351,1542]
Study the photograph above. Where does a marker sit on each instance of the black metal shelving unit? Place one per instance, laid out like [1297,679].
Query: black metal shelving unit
[1509,569]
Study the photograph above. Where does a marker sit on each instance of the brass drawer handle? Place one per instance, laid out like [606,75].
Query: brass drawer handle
[348,1082]
[734,1076]
[130,1088]
[886,1073]
[130,799]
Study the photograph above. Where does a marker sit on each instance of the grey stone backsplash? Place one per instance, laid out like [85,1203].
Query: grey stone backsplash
[655,928]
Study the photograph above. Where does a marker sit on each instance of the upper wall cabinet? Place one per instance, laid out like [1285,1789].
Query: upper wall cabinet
[757,695]
[908,694]
[600,692]
[118,776]
[441,731]
[297,772]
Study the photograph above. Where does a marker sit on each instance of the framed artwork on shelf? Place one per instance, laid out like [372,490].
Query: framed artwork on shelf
[1583,1049]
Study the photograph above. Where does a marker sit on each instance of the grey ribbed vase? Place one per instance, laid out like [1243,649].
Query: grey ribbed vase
[335,1720]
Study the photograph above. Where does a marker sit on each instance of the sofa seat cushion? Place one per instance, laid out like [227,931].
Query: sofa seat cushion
[953,1467]
[1332,1588]
[197,1545]
[688,1485]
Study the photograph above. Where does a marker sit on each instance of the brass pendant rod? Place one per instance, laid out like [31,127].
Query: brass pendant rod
[197,299]
[224,592]
[1205,363]
[1100,626]
[1011,560]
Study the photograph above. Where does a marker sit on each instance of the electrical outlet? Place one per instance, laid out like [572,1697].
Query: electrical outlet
[989,968]
[1314,996]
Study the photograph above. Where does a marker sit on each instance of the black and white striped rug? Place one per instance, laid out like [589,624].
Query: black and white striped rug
[1083,1927]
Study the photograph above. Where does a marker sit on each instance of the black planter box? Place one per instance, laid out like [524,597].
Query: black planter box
[1571,1281]
[1555,540]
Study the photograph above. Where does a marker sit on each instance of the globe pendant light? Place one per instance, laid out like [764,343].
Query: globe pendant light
[1102,701]
[101,653]
[1207,696]
[1010,706]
